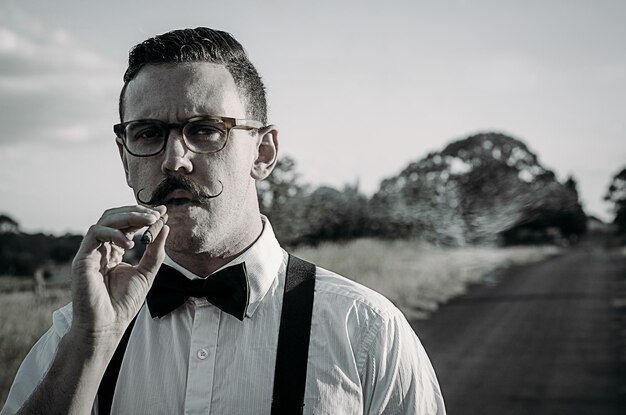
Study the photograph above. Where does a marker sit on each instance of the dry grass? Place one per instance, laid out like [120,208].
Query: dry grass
[25,317]
[416,276]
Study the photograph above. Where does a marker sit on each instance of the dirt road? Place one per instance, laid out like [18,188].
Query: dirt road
[545,339]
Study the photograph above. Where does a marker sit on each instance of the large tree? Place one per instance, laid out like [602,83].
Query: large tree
[478,189]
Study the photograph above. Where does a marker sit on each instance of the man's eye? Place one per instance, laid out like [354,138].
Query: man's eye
[199,130]
[149,133]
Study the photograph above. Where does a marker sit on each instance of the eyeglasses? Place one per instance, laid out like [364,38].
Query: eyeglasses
[202,134]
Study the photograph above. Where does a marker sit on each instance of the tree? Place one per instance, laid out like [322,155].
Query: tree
[279,187]
[331,214]
[417,204]
[300,215]
[616,194]
[21,254]
[8,225]
[281,200]
[475,191]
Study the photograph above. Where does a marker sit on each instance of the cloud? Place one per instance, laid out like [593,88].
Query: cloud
[54,88]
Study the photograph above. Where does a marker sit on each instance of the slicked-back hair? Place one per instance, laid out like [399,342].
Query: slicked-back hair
[201,45]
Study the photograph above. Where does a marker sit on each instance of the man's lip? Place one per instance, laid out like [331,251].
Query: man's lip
[180,194]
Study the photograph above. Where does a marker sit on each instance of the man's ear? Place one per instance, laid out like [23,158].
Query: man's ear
[267,153]
[120,148]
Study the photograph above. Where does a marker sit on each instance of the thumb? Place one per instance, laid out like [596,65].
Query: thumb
[153,256]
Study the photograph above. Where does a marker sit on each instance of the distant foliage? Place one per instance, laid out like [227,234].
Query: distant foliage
[409,205]
[300,215]
[616,194]
[280,198]
[8,225]
[486,188]
[332,215]
[21,254]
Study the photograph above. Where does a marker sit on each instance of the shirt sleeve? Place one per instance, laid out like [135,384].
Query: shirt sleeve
[398,376]
[37,361]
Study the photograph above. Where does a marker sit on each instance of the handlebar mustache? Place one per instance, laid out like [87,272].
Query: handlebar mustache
[170,183]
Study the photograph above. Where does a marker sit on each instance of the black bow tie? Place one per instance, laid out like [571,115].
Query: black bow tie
[226,289]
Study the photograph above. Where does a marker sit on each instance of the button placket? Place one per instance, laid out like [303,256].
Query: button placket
[204,333]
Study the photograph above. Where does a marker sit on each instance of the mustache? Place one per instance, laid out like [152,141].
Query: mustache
[170,183]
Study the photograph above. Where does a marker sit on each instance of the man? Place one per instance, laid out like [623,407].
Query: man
[193,140]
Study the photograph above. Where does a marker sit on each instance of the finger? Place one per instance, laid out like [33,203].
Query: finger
[115,256]
[162,209]
[130,221]
[153,256]
[154,229]
[110,256]
[135,208]
[99,234]
[104,250]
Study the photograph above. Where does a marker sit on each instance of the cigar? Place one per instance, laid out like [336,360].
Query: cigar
[153,230]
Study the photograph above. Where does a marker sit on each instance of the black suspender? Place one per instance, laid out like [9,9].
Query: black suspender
[109,380]
[291,354]
[293,338]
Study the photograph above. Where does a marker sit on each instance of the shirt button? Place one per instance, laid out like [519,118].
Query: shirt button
[202,354]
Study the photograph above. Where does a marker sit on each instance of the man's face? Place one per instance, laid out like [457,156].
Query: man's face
[173,94]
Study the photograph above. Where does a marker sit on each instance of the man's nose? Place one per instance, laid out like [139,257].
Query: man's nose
[176,154]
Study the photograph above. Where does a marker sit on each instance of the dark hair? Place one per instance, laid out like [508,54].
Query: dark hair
[201,45]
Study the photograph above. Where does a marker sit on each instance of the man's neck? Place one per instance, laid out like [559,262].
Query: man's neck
[206,263]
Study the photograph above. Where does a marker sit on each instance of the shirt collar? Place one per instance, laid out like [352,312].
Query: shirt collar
[263,260]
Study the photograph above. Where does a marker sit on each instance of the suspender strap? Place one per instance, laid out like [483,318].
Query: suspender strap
[109,380]
[293,338]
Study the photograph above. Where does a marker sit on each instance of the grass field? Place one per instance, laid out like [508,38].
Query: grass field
[25,317]
[418,277]
[415,276]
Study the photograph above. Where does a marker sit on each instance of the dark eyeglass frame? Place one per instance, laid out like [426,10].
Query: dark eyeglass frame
[229,124]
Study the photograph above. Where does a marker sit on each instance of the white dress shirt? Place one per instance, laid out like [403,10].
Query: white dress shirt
[364,358]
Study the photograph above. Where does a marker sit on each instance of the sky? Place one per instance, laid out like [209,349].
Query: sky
[358,89]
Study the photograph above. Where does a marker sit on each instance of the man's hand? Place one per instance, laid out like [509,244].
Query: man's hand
[106,292]
[106,295]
